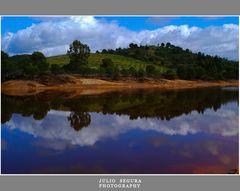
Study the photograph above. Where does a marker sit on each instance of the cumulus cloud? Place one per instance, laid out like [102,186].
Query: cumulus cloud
[52,36]
[55,126]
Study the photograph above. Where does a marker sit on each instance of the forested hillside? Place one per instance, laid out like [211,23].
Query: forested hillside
[161,61]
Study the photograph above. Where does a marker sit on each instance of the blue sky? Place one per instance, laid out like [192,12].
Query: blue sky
[151,23]
[39,33]
[13,24]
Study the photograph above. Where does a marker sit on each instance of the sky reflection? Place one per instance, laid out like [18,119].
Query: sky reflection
[196,141]
[55,126]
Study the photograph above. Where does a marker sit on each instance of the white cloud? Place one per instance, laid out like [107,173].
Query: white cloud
[53,36]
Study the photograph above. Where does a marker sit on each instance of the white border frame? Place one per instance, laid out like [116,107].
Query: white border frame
[129,175]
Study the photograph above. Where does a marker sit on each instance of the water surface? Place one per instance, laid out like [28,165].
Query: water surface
[162,132]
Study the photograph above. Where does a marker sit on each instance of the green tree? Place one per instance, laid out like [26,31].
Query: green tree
[107,66]
[141,73]
[132,45]
[150,69]
[104,51]
[199,72]
[9,69]
[110,69]
[125,72]
[56,69]
[106,62]
[78,54]
[30,70]
[132,71]
[114,72]
[170,74]
[40,61]
[186,72]
[5,66]
[168,45]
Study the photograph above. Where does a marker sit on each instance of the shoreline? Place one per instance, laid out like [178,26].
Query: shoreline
[88,86]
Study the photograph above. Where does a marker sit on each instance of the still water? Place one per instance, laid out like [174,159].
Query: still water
[154,132]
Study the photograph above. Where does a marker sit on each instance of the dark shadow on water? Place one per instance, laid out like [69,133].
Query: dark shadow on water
[142,103]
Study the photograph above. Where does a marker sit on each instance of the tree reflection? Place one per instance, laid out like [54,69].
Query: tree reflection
[163,105]
[78,120]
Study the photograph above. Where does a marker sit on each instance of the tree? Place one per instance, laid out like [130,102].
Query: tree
[56,69]
[150,69]
[104,51]
[186,72]
[106,62]
[132,45]
[79,120]
[141,72]
[30,70]
[110,69]
[5,66]
[199,72]
[182,71]
[170,74]
[114,72]
[125,72]
[40,61]
[168,45]
[9,69]
[4,56]
[78,54]
[132,71]
[106,66]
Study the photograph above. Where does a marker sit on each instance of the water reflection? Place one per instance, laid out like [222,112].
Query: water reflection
[141,126]
[56,125]
[78,120]
[163,105]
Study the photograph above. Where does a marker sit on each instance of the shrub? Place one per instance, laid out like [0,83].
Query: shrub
[150,69]
[141,73]
[125,72]
[170,74]
[56,69]
[132,71]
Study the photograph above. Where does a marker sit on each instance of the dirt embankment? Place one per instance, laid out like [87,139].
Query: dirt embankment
[81,85]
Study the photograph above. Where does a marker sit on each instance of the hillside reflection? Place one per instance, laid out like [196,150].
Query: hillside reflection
[163,105]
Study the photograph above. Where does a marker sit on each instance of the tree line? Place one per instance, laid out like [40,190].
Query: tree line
[181,63]
[176,61]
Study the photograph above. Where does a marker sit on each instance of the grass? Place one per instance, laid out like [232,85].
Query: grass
[95,59]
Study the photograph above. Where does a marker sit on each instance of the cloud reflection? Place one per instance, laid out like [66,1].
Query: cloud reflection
[56,126]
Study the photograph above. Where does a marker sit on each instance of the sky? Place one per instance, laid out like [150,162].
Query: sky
[52,35]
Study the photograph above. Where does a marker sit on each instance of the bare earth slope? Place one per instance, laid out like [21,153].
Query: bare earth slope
[81,85]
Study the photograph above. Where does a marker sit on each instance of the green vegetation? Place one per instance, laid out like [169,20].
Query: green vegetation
[109,68]
[39,61]
[181,63]
[78,54]
[164,61]
[95,60]
[56,69]
[23,66]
